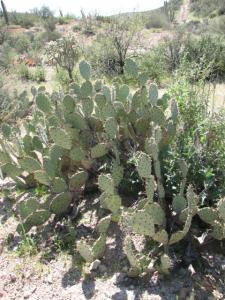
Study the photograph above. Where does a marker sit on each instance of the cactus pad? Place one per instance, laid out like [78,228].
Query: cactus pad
[43,103]
[61,138]
[78,180]
[99,150]
[60,203]
[85,70]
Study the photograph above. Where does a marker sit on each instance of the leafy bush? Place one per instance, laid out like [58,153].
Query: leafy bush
[64,53]
[7,55]
[100,135]
[157,20]
[25,20]
[22,44]
[206,7]
[77,28]
[23,72]
[39,74]
[49,24]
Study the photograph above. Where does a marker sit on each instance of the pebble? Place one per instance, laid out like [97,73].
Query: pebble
[28,293]
[94,266]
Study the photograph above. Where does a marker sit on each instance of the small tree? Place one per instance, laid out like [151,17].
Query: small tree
[64,53]
[122,33]
[5,13]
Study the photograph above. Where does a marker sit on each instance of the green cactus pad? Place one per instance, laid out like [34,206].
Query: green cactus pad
[208,215]
[142,223]
[58,185]
[6,130]
[151,148]
[53,121]
[77,154]
[85,251]
[23,228]
[107,93]
[157,116]
[218,231]
[29,164]
[86,89]
[37,143]
[60,203]
[111,202]
[99,150]
[103,225]
[85,70]
[150,188]
[50,167]
[99,247]
[78,180]
[61,138]
[111,128]
[42,177]
[161,237]
[221,209]
[179,203]
[87,106]
[55,153]
[68,104]
[122,93]
[100,100]
[98,85]
[156,212]
[183,167]
[192,198]
[27,207]
[131,68]
[38,218]
[77,121]
[144,164]
[143,78]
[117,173]
[174,110]
[4,157]
[43,103]
[106,183]
[142,126]
[131,253]
[11,170]
[153,94]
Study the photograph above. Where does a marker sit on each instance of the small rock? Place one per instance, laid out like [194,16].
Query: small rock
[102,268]
[191,270]
[50,279]
[12,278]
[94,266]
[28,293]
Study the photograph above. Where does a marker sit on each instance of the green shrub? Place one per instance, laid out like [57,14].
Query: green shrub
[157,20]
[22,44]
[25,20]
[39,74]
[49,24]
[23,72]
[7,55]
[77,28]
[63,20]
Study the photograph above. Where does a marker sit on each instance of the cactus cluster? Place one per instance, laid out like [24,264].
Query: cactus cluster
[80,137]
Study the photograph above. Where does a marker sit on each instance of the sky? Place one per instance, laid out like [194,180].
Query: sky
[103,7]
